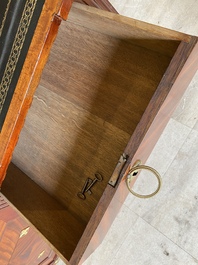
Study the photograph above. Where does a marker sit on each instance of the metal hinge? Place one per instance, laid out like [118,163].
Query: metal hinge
[114,178]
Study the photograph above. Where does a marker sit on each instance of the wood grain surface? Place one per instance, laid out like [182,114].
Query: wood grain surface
[184,66]
[92,94]
[99,94]
[101,4]
[20,243]
[38,52]
[50,218]
[123,27]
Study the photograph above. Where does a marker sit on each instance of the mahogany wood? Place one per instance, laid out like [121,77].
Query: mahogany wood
[64,9]
[44,36]
[20,243]
[106,81]
[186,60]
[77,87]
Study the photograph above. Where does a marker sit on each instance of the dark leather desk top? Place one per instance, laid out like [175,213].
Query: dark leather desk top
[18,20]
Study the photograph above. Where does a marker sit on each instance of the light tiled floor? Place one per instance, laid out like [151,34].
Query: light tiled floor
[162,229]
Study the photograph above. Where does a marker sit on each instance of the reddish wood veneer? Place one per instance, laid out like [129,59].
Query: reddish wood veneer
[169,91]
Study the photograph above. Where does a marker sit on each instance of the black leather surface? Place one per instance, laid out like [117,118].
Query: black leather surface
[18,20]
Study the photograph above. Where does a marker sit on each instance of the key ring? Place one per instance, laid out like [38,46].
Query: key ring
[98,176]
[133,172]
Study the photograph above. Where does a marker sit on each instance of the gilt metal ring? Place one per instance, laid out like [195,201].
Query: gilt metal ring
[133,172]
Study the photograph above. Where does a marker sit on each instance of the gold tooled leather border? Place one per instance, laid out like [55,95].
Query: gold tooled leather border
[4,17]
[16,49]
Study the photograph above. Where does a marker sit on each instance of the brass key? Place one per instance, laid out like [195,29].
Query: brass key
[98,177]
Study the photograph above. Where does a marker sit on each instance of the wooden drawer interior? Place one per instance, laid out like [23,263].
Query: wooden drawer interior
[100,77]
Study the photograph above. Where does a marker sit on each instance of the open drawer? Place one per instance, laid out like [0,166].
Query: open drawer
[108,89]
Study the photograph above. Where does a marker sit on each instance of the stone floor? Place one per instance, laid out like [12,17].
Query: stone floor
[163,229]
